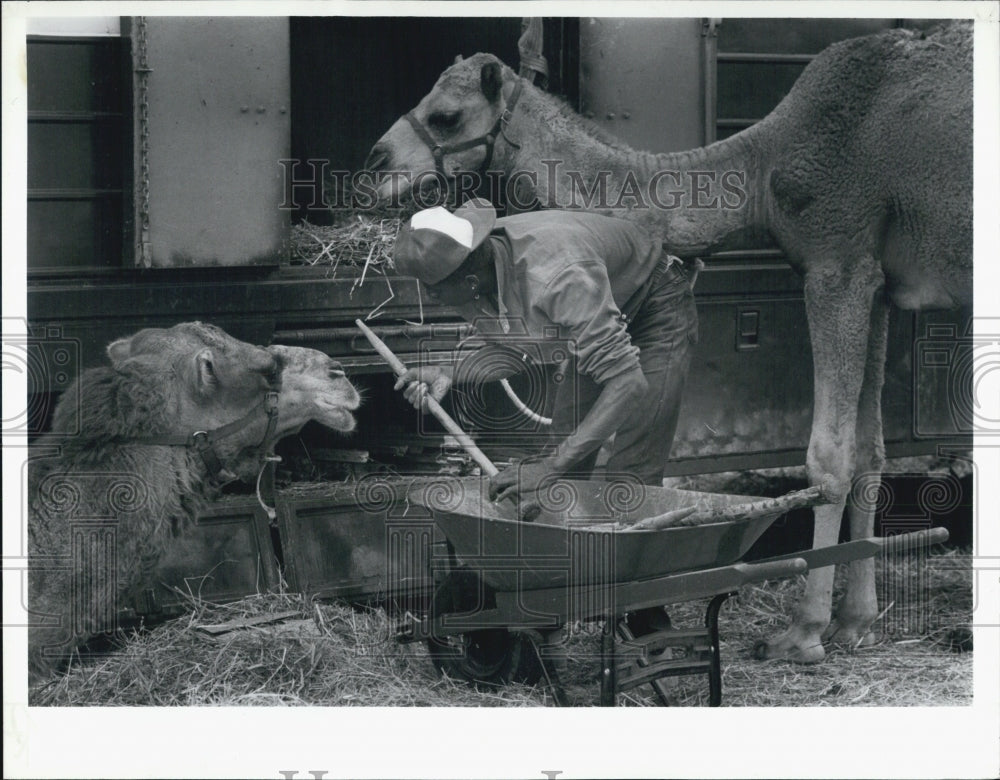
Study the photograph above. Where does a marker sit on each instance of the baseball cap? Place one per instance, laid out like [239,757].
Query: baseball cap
[435,242]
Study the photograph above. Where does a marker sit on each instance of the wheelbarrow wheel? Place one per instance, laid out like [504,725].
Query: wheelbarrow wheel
[488,656]
[491,656]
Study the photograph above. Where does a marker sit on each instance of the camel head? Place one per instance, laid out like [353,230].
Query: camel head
[195,377]
[463,106]
[313,387]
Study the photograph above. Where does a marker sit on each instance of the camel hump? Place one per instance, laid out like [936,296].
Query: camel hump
[849,75]
[949,38]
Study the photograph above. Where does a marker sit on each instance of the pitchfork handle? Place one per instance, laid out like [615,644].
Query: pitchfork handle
[433,406]
[823,493]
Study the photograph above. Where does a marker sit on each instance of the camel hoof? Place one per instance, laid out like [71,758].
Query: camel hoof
[768,651]
[760,650]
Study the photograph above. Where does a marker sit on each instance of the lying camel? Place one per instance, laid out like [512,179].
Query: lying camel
[862,175]
[141,446]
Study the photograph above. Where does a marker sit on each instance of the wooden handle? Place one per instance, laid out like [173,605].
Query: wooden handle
[665,520]
[823,493]
[399,367]
[810,496]
[770,570]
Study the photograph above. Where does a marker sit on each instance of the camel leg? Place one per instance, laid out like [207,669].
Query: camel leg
[838,306]
[859,606]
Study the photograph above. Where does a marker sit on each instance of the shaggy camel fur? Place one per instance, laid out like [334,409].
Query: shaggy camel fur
[104,507]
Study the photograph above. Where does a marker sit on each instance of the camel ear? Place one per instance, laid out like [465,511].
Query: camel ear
[490,80]
[458,59]
[205,371]
[120,350]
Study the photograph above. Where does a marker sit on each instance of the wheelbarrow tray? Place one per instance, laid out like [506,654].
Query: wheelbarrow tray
[573,542]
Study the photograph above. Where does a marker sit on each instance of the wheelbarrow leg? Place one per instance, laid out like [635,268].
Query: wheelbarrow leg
[715,663]
[549,667]
[659,685]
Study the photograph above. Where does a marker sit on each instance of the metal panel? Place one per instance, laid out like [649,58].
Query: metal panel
[793,36]
[95,312]
[752,408]
[740,401]
[225,556]
[642,79]
[362,541]
[76,152]
[218,100]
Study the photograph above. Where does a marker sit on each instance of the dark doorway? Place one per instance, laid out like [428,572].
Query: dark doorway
[352,77]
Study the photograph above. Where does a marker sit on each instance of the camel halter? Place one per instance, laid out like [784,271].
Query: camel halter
[204,441]
[489,140]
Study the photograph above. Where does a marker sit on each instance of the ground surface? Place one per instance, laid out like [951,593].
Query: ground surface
[331,654]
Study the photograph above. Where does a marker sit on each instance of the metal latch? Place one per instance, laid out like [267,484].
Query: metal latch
[748,329]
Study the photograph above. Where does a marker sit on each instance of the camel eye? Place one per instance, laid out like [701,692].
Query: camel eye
[444,120]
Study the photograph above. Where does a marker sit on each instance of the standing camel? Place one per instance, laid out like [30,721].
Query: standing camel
[862,175]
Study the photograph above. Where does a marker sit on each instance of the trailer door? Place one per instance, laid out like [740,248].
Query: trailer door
[212,122]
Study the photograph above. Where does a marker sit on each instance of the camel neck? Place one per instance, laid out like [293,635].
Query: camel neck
[698,201]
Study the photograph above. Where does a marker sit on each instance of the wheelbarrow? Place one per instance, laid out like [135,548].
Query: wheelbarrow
[600,553]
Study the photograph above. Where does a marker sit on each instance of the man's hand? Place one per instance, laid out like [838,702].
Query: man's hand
[433,380]
[520,482]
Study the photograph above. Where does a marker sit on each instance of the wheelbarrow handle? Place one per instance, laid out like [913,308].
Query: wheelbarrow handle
[845,552]
[824,493]
[770,570]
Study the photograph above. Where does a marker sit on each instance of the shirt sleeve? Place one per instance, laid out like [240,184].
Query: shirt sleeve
[579,300]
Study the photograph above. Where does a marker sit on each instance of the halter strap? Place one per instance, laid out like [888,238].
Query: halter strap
[204,441]
[489,139]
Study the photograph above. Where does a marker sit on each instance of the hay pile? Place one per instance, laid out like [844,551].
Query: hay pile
[358,238]
[325,654]
[917,660]
[328,654]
